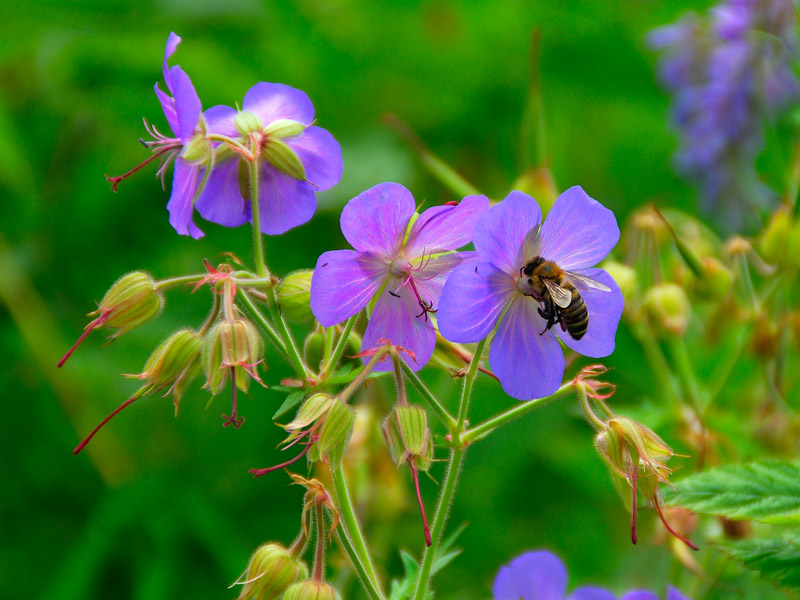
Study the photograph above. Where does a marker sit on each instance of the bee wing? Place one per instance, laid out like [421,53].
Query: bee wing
[560,296]
[588,281]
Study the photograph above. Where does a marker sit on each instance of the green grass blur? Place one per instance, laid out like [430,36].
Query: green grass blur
[160,507]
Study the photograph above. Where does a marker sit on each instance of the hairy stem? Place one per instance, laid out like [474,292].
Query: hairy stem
[446,418]
[258,239]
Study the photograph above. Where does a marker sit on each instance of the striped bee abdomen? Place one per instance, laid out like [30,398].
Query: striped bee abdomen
[575,316]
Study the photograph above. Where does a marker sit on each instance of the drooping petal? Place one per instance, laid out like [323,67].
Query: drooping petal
[220,120]
[395,319]
[532,576]
[221,200]
[320,155]
[501,232]
[472,299]
[443,228]
[187,103]
[579,232]
[605,310]
[168,106]
[591,594]
[376,220]
[528,363]
[343,283]
[172,44]
[285,202]
[184,186]
[639,595]
[273,101]
[674,594]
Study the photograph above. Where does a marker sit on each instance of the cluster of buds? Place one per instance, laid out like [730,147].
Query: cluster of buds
[271,571]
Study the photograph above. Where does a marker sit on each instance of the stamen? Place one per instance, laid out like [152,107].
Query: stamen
[115,181]
[426,306]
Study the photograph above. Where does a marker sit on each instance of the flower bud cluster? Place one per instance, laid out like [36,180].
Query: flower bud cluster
[326,423]
[271,571]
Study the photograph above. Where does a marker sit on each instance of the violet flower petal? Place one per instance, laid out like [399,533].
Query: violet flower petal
[342,284]
[639,595]
[528,364]
[472,299]
[285,202]
[220,120]
[172,44]
[273,101]
[320,155]
[184,186]
[376,220]
[591,594]
[395,319]
[168,106]
[500,234]
[442,228]
[432,273]
[674,594]
[579,232]
[187,104]
[532,576]
[221,200]
[605,310]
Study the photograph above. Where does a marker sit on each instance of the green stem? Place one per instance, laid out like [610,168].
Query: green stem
[293,354]
[258,239]
[594,420]
[165,284]
[446,418]
[318,571]
[451,479]
[338,350]
[728,359]
[369,587]
[328,350]
[345,394]
[352,531]
[480,431]
[683,365]
[658,363]
[258,316]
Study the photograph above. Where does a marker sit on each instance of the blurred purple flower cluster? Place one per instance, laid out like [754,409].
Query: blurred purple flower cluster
[729,72]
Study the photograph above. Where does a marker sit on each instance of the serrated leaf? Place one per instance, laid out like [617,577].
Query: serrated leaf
[289,403]
[777,559]
[767,491]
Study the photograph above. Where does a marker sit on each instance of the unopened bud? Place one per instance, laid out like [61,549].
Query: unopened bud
[231,344]
[408,436]
[335,432]
[314,348]
[284,128]
[247,122]
[311,590]
[272,569]
[281,156]
[312,409]
[774,243]
[294,295]
[132,301]
[668,308]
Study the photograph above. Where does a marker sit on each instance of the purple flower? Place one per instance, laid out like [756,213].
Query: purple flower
[542,576]
[297,158]
[398,261]
[729,72]
[525,355]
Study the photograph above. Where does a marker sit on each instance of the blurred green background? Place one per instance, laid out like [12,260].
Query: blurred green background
[160,507]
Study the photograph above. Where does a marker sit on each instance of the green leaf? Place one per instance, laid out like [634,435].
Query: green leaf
[767,491]
[291,401]
[777,559]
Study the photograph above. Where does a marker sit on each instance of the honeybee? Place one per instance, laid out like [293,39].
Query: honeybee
[561,302]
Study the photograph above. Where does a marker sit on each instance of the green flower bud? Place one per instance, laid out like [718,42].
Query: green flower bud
[282,157]
[284,128]
[408,436]
[776,236]
[311,590]
[247,122]
[132,301]
[236,344]
[271,570]
[335,432]
[294,295]
[312,409]
[314,348]
[668,309]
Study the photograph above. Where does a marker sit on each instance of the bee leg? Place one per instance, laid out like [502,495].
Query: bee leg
[547,316]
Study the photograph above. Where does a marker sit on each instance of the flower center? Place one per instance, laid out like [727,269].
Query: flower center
[400,268]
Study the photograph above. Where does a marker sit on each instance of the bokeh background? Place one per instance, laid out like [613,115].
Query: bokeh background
[159,507]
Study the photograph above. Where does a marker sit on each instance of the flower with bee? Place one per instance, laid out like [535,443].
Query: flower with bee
[535,282]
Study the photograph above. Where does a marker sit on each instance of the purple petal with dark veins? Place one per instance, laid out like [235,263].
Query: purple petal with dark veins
[343,283]
[273,101]
[473,297]
[532,576]
[184,186]
[442,228]
[394,318]
[579,232]
[528,363]
[500,234]
[320,155]
[221,200]
[605,310]
[376,220]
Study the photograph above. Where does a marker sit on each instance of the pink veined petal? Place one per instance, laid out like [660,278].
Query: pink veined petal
[501,232]
[533,576]
[579,232]
[343,283]
[168,106]
[639,595]
[473,297]
[591,594]
[273,101]
[528,363]
[605,310]
[674,594]
[219,119]
[172,44]
[187,103]
[221,200]
[376,220]
[321,156]
[285,202]
[184,185]
[395,319]
[442,228]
